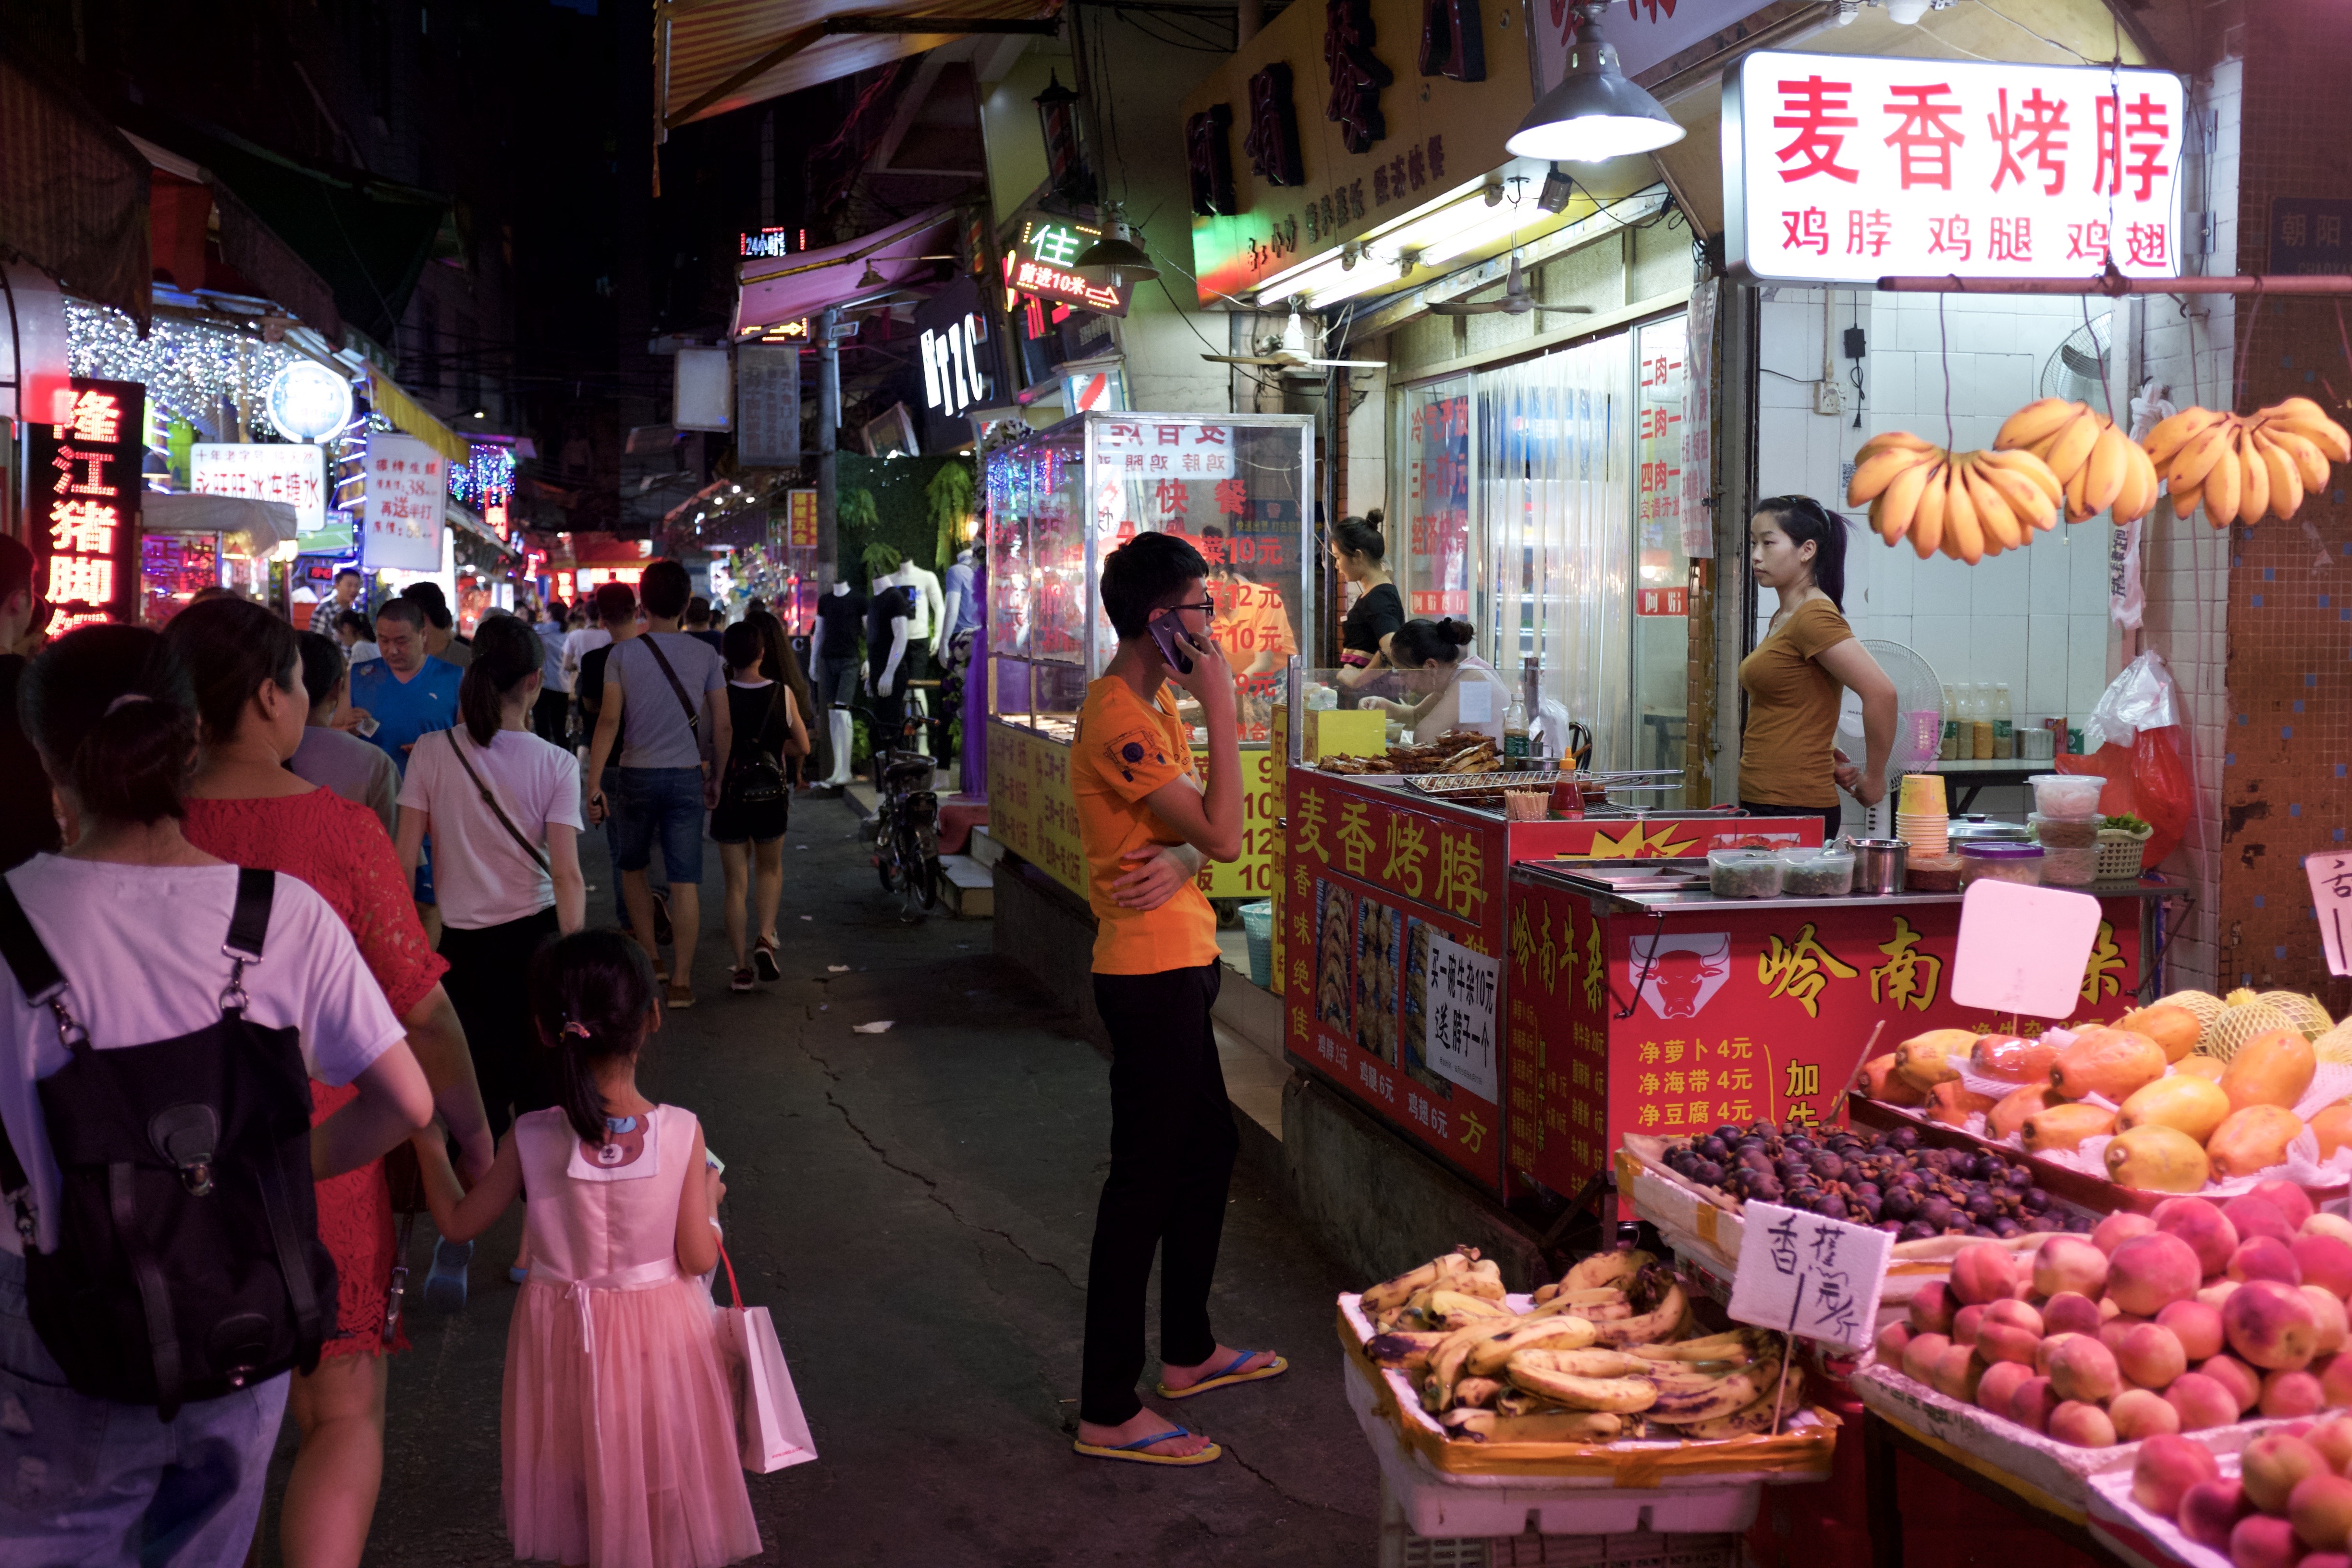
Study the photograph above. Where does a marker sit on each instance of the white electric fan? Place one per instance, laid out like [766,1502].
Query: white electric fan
[1918,722]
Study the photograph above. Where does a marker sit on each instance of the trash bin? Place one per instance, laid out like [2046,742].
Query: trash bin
[1258,925]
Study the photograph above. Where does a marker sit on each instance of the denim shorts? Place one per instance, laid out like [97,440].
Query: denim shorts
[658,805]
[88,1481]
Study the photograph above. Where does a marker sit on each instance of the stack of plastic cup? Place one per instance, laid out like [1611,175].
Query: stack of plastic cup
[1921,818]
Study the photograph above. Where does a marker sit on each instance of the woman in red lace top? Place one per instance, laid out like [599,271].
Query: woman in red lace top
[245,807]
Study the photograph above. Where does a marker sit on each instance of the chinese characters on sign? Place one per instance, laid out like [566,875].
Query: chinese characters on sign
[1040,266]
[1209,161]
[82,491]
[2308,234]
[1850,168]
[293,472]
[1356,73]
[1459,1042]
[2331,895]
[1801,1274]
[800,514]
[405,500]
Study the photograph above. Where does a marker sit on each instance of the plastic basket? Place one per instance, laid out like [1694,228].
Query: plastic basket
[2119,854]
[1257,926]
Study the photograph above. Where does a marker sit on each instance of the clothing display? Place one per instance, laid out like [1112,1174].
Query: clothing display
[840,617]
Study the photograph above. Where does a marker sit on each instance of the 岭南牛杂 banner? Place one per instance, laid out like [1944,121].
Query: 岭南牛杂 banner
[1806,1275]
[407,492]
[1459,1040]
[1846,169]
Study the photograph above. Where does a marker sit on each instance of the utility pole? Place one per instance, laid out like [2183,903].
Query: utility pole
[828,426]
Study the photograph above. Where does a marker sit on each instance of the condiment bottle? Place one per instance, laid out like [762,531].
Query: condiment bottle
[2004,721]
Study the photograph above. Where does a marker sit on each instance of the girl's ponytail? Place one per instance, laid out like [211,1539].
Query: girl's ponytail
[590,993]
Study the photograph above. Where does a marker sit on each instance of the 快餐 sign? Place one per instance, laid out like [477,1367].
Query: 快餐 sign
[1846,169]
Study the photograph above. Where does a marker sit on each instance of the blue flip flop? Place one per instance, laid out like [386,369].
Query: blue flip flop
[1230,1375]
[1133,1452]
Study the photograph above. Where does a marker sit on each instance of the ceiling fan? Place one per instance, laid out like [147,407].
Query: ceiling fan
[1296,353]
[1515,299]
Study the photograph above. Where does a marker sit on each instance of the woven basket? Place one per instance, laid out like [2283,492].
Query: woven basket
[2119,853]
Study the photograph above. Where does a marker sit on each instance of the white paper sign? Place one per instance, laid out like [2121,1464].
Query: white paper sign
[1847,168]
[2331,900]
[295,473]
[1801,1274]
[2021,948]
[1458,1032]
[407,492]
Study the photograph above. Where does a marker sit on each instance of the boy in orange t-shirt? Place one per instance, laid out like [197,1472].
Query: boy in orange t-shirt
[1146,823]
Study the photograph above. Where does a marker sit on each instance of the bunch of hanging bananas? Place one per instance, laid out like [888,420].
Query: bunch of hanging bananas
[1599,1357]
[1966,504]
[2242,469]
[2100,467]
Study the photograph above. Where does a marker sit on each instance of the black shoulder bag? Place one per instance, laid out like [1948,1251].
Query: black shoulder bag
[754,777]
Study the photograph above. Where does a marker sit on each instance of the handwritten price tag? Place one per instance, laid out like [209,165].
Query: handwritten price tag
[2022,949]
[1801,1274]
[2331,900]
[1458,1040]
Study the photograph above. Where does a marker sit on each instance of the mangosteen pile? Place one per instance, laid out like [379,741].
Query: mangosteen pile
[1882,1178]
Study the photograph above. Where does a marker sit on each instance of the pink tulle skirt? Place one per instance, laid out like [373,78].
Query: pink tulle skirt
[627,1458]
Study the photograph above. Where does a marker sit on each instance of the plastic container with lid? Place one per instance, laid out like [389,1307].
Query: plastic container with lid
[2070,868]
[1933,873]
[1743,873]
[2065,832]
[1816,874]
[1993,862]
[2070,795]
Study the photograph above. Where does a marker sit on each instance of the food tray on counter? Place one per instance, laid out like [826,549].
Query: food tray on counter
[2142,1538]
[2053,1476]
[1801,1455]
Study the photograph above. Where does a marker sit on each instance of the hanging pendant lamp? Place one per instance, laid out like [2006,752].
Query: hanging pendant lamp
[1115,259]
[1593,113]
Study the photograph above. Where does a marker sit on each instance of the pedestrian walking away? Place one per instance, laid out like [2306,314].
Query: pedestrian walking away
[550,715]
[618,1435]
[245,807]
[1146,823]
[657,712]
[121,935]
[336,758]
[755,801]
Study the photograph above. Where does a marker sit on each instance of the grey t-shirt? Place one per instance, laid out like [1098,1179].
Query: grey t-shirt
[654,728]
[351,767]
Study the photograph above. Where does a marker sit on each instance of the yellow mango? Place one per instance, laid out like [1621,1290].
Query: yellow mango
[2333,1127]
[1953,1103]
[2010,1112]
[2272,1069]
[2169,1025]
[2110,1062]
[2252,1139]
[2182,1101]
[1934,1058]
[2066,1126]
[2202,1066]
[2157,1158]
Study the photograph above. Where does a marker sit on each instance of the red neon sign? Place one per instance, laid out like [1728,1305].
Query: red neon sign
[85,494]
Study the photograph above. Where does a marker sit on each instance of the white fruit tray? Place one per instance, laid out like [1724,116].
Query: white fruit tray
[2142,1538]
[2053,1475]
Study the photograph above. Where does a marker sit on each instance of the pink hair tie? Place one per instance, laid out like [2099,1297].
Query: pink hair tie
[575,1028]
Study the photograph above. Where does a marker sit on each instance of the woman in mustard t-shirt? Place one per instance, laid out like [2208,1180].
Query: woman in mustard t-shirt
[1789,761]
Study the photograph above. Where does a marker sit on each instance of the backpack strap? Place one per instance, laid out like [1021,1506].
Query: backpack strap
[309,1318]
[497,810]
[154,1293]
[248,924]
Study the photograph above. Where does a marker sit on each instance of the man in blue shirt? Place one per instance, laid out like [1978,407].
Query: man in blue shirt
[408,694]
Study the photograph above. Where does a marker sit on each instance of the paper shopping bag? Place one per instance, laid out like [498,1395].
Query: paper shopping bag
[773,1432]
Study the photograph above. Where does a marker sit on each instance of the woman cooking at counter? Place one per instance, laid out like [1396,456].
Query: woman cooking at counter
[1789,761]
[1358,550]
[1469,696]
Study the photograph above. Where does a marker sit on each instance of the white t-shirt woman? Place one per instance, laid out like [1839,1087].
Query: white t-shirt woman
[480,875]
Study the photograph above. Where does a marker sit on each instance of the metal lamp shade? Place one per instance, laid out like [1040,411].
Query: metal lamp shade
[1593,113]
[1114,260]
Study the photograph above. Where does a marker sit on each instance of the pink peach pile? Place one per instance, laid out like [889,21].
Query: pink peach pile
[2196,1316]
[2290,1505]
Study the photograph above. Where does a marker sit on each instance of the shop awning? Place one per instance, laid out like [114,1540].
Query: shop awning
[713,56]
[258,527]
[790,288]
[383,394]
[73,193]
[467,520]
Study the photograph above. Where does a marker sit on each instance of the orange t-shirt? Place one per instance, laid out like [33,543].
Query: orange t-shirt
[1125,748]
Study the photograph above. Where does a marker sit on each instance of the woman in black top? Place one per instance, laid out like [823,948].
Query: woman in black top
[1357,547]
[755,802]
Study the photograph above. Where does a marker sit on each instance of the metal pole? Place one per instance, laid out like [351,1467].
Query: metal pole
[828,426]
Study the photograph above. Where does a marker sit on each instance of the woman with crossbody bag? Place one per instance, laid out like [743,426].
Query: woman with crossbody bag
[507,805]
[755,798]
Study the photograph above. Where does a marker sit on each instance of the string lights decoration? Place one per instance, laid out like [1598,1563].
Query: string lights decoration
[485,479]
[190,369]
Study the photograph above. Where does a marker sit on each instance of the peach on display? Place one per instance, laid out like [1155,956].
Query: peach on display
[2274,1464]
[1957,1369]
[1963,1324]
[2325,1223]
[2320,1509]
[2271,1325]
[2244,1383]
[2148,1273]
[2292,1202]
[1997,1389]
[2201,1401]
[2253,1215]
[2116,1330]
[2084,1369]
[2217,1293]
[2118,1228]
[2006,1342]
[2324,1260]
[2328,1308]
[1891,1341]
[2265,1257]
[2333,1441]
[1920,1357]
[2050,1345]
[2165,1470]
[2152,1355]
[2083,1425]
[2334,1377]
[2262,1541]
[2197,1326]
[2206,1229]
[2140,1413]
[2287,1396]
[1932,1307]
[2030,1405]
[2211,1509]
[2069,1263]
[2070,1312]
[1983,1272]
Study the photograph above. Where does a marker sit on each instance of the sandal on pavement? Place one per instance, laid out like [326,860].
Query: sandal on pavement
[1134,1451]
[742,981]
[763,957]
[1230,1375]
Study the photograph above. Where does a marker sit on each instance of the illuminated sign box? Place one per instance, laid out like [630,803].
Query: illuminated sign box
[1847,169]
[1042,265]
[295,474]
[82,481]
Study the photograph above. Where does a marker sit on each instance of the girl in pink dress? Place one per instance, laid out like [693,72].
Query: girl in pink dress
[620,1440]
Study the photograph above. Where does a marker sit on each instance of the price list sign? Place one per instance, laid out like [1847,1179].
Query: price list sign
[83,484]
[1459,1041]
[1818,1279]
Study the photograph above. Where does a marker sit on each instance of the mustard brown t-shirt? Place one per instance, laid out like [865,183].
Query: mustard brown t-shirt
[1125,748]
[1793,710]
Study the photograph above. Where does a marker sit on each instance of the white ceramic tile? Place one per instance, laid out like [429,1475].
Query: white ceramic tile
[1886,379]
[2006,382]
[2087,543]
[2048,647]
[1940,586]
[1997,650]
[1943,642]
[1988,331]
[2086,663]
[1889,573]
[1789,337]
[1780,450]
[1778,392]
[2050,566]
[1998,584]
[1916,329]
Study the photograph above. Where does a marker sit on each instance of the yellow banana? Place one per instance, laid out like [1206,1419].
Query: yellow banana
[1927,517]
[1618,1395]
[2001,529]
[2023,498]
[2306,417]
[2033,468]
[1547,1427]
[2036,423]
[1732,1346]
[1560,1333]
[2254,476]
[1963,540]
[2285,475]
[1584,1362]
[2298,408]
[2071,447]
[1408,1350]
[1596,1302]
[1483,1279]
[1616,1267]
[1457,1310]
[1755,1420]
[2106,465]
[1446,1365]
[2171,434]
[1661,1323]
[2139,491]
[2186,502]
[2224,488]
[1902,498]
[1873,473]
[2197,458]
[1890,440]
[1681,1399]
[2309,460]
[1396,1292]
[1478,1392]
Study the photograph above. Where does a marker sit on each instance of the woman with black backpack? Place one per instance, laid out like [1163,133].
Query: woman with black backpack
[160,1020]
[755,800]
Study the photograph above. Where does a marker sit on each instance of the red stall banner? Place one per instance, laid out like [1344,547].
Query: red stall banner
[82,476]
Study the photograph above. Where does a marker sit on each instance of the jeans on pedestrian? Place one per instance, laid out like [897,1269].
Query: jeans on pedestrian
[487,966]
[658,805]
[1172,1144]
[93,1482]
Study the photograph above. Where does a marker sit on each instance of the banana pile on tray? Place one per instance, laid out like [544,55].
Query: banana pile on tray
[1600,1357]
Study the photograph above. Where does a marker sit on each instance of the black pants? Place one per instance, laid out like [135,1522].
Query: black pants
[1172,1144]
[488,967]
[1833,816]
[551,716]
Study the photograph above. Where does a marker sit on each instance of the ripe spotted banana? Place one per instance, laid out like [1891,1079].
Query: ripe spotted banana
[1452,1309]
[2175,432]
[2309,460]
[1616,1266]
[1448,1363]
[1478,1393]
[2016,487]
[2255,495]
[2001,529]
[1619,1395]
[1546,1426]
[1734,1345]
[1582,1364]
[1596,1303]
[2037,421]
[1661,1323]
[1561,1332]
[1408,1350]
[1690,1395]
[2307,418]
[1752,1420]
[2285,472]
[1396,1292]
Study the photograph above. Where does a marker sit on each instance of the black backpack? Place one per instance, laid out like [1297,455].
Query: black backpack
[188,1261]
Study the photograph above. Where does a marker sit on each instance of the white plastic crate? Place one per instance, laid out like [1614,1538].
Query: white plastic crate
[1401,1547]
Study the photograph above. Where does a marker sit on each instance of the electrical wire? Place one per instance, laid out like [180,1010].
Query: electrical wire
[2062,48]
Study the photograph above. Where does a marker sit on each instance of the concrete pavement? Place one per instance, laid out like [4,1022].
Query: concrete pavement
[916,1206]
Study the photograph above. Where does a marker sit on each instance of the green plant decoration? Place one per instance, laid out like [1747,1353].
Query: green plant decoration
[949,494]
[855,509]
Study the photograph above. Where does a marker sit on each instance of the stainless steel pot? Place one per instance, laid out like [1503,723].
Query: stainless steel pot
[1879,865]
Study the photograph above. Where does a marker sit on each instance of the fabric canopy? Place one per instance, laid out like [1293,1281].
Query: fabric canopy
[262,525]
[406,414]
[775,289]
[73,193]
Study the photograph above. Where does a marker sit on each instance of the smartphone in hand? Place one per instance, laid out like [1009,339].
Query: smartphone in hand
[1165,626]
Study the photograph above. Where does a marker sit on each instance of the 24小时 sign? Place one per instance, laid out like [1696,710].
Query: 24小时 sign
[1807,1275]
